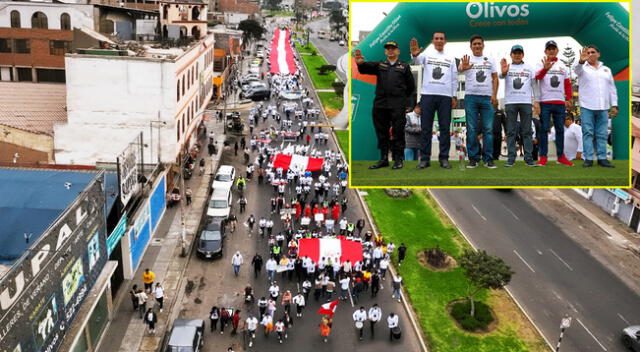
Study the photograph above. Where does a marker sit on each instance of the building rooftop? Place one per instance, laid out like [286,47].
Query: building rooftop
[33,199]
[33,107]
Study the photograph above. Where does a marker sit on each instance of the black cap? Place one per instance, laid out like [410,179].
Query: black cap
[550,43]
[391,43]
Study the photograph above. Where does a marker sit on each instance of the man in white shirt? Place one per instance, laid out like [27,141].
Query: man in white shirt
[251,325]
[572,139]
[598,98]
[375,314]
[236,261]
[480,100]
[438,93]
[518,96]
[271,267]
[392,322]
[359,317]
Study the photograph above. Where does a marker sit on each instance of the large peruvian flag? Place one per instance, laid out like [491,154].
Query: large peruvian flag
[297,161]
[316,248]
[281,55]
[328,308]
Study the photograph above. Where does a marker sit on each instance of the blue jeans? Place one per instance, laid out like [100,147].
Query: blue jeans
[479,114]
[236,269]
[429,104]
[271,274]
[558,112]
[411,153]
[512,111]
[396,293]
[594,133]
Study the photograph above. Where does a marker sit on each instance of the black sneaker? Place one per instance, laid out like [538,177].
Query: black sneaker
[490,164]
[472,164]
[531,164]
[587,163]
[605,163]
[423,164]
[445,164]
[379,164]
[509,164]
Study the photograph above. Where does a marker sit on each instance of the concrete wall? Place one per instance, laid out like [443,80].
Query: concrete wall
[112,99]
[606,200]
[81,15]
[23,139]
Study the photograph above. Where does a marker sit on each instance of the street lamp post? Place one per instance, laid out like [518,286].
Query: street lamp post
[564,324]
[158,125]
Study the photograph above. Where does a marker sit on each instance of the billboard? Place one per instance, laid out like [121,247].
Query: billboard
[128,163]
[44,290]
[147,221]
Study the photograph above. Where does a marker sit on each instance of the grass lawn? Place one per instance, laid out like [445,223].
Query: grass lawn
[415,222]
[552,175]
[331,102]
[343,140]
[278,13]
[306,49]
[312,62]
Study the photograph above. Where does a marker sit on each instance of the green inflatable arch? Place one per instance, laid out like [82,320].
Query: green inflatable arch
[603,24]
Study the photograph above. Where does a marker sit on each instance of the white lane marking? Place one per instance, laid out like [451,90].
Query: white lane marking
[478,211]
[524,261]
[539,251]
[623,319]
[588,331]
[510,212]
[573,308]
[560,259]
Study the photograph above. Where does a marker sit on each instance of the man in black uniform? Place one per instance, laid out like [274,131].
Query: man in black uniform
[394,89]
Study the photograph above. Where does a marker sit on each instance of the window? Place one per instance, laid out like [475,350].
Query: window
[22,46]
[15,19]
[25,74]
[50,75]
[182,84]
[197,67]
[59,47]
[5,45]
[178,130]
[182,123]
[39,20]
[178,91]
[65,21]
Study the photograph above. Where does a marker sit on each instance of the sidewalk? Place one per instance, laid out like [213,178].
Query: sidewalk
[163,257]
[607,239]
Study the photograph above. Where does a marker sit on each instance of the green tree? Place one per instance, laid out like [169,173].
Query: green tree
[484,272]
[570,58]
[273,5]
[251,29]
[337,18]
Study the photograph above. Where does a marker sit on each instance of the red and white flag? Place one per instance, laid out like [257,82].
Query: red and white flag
[298,162]
[281,54]
[317,248]
[328,308]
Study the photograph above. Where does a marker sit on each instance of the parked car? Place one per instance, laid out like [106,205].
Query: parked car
[211,240]
[341,43]
[220,203]
[257,93]
[224,178]
[252,85]
[290,95]
[631,338]
[186,336]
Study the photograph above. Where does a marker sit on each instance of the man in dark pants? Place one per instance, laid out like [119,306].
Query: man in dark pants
[395,86]
[499,124]
[438,94]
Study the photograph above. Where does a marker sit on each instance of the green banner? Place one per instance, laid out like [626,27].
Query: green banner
[603,24]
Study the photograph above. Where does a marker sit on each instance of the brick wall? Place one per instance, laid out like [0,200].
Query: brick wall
[242,6]
[40,55]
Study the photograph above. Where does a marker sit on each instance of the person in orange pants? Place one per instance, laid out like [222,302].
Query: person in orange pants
[325,327]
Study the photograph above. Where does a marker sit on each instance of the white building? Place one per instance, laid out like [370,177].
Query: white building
[79,14]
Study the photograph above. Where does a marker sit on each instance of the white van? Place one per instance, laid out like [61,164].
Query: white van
[220,203]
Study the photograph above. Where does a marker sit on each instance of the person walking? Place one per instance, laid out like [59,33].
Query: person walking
[235,322]
[243,203]
[438,94]
[256,262]
[394,89]
[158,293]
[214,316]
[598,100]
[188,193]
[251,221]
[397,283]
[150,318]
[271,267]
[300,303]
[224,319]
[267,323]
[555,99]
[148,277]
[392,322]
[142,302]
[262,305]
[375,314]
[359,317]
[325,327]
[251,325]
[236,262]
[402,251]
[344,287]
[134,298]
[286,301]
[280,330]
[519,97]
[480,101]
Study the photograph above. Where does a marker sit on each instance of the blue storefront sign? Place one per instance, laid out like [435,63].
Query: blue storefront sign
[116,234]
[147,221]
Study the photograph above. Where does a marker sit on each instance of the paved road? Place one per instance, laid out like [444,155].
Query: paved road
[554,275]
[330,50]
[216,285]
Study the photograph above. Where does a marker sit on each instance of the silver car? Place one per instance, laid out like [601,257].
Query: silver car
[631,338]
[186,336]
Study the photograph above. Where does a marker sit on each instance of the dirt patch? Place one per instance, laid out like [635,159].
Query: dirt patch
[449,263]
[331,112]
[488,330]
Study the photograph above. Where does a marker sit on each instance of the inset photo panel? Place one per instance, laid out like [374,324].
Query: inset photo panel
[482,94]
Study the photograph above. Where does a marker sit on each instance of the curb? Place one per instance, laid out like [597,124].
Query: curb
[551,348]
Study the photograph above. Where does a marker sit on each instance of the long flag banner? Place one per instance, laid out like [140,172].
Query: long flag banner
[281,55]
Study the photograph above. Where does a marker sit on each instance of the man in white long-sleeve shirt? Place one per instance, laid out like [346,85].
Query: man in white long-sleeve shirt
[375,314]
[359,317]
[598,97]
[438,93]
[572,139]
[392,322]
